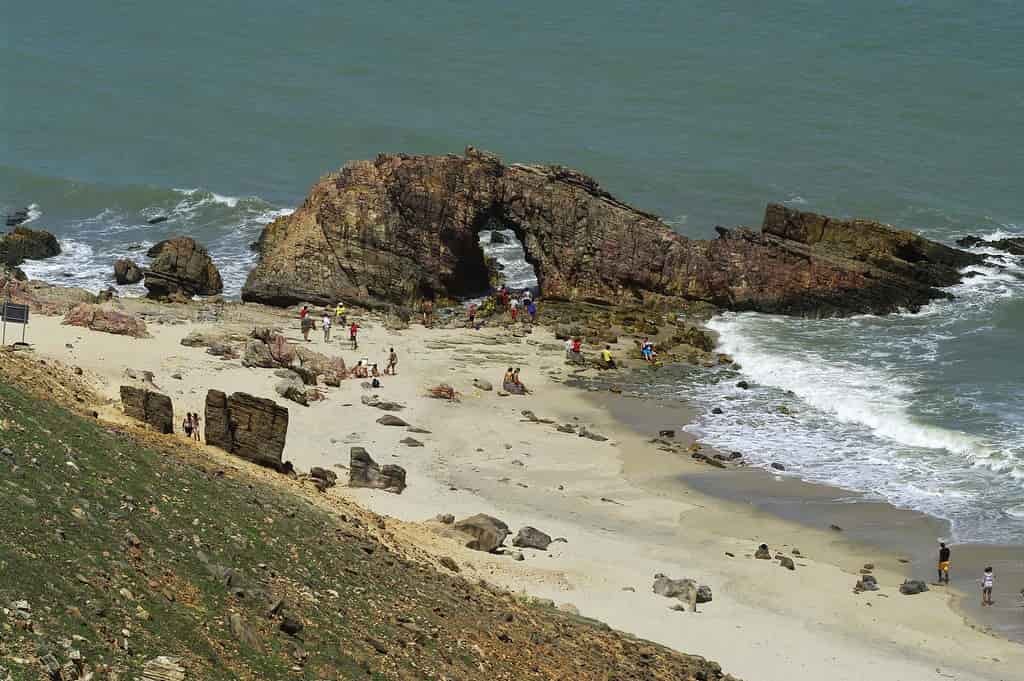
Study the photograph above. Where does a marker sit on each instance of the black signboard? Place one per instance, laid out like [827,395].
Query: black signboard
[14,313]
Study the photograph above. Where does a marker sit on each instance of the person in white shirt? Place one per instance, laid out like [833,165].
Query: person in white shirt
[327,327]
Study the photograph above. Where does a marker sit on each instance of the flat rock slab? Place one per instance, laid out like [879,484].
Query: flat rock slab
[389,420]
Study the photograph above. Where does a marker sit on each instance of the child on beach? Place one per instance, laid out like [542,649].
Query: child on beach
[326,323]
[353,335]
[943,563]
[988,580]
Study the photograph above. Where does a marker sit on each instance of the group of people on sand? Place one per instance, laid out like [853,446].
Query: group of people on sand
[987,580]
[512,384]
[307,324]
[191,426]
[513,303]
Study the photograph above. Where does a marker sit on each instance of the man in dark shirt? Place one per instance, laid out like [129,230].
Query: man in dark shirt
[943,563]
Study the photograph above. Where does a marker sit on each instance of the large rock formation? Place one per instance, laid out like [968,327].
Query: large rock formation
[404,227]
[22,243]
[181,267]
[150,407]
[106,319]
[253,428]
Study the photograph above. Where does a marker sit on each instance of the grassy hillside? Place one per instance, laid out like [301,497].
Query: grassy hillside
[127,546]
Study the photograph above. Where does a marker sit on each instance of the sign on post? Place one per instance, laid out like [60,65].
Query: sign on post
[15,314]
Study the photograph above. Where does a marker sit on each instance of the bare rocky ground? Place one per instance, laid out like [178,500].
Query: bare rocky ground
[126,554]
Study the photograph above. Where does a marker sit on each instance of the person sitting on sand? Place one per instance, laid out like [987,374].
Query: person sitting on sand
[374,372]
[520,388]
[606,358]
[392,367]
[508,380]
[943,563]
[988,581]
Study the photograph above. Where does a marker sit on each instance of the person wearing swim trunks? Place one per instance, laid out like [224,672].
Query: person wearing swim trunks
[988,581]
[943,563]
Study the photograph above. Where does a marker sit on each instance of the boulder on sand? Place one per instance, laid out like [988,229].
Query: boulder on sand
[107,319]
[685,590]
[363,471]
[150,407]
[253,428]
[127,272]
[181,267]
[532,538]
[911,587]
[484,532]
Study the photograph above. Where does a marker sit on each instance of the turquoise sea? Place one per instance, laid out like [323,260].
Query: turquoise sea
[220,116]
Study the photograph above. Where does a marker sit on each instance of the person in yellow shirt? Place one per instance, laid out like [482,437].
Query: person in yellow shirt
[339,313]
[606,357]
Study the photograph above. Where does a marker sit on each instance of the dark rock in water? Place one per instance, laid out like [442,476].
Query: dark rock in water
[835,528]
[17,217]
[157,220]
[743,385]
[149,407]
[253,428]
[911,587]
[666,433]
[485,533]
[127,272]
[735,455]
[363,471]
[717,410]
[1012,245]
[22,244]
[532,538]
[498,238]
[181,267]
[401,227]
[778,466]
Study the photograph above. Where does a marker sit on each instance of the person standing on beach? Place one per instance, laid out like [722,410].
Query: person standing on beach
[392,367]
[988,580]
[531,309]
[943,563]
[339,314]
[303,312]
[186,425]
[195,427]
[326,322]
[353,335]
[513,308]
[428,312]
[606,357]
[306,323]
[471,314]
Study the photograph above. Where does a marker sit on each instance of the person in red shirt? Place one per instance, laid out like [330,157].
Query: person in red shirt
[303,312]
[353,332]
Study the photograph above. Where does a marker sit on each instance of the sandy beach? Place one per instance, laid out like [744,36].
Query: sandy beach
[625,509]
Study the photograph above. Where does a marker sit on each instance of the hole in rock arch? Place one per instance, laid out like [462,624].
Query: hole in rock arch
[506,257]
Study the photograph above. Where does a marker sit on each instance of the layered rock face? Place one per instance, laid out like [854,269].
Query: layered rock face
[399,228]
[150,407]
[181,267]
[127,272]
[253,428]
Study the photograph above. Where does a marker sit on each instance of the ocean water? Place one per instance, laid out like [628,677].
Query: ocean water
[221,117]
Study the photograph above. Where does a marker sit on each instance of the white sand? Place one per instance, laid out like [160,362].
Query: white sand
[765,623]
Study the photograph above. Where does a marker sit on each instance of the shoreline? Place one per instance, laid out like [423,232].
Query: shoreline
[619,503]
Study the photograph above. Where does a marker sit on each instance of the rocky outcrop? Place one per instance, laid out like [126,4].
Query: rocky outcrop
[22,243]
[181,267]
[363,471]
[106,319]
[127,272]
[483,532]
[403,227]
[253,428]
[532,538]
[150,407]
[1012,245]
